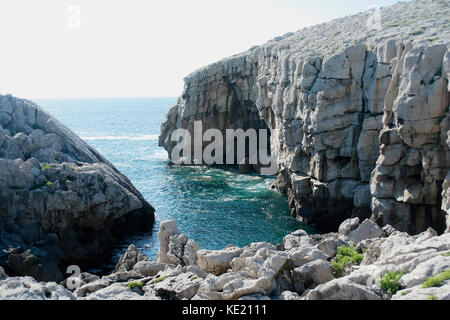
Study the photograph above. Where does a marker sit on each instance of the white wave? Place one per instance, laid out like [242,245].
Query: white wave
[142,137]
[160,154]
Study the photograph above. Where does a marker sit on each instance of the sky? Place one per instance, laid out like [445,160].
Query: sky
[139,48]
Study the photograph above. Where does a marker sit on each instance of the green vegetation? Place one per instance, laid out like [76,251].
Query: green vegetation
[392,25]
[194,278]
[438,280]
[160,279]
[432,297]
[416,33]
[40,185]
[447,254]
[432,39]
[404,293]
[133,285]
[46,167]
[345,256]
[389,281]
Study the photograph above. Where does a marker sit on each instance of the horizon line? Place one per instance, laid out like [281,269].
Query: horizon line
[99,97]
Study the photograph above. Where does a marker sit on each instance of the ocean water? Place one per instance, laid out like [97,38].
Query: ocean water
[212,206]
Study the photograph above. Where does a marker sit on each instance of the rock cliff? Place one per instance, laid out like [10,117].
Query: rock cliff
[361,113]
[61,202]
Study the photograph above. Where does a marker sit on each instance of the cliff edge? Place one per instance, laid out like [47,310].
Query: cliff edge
[362,114]
[61,202]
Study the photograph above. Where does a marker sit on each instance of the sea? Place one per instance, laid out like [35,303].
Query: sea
[212,206]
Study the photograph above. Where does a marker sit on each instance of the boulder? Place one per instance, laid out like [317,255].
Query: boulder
[129,259]
[348,225]
[240,287]
[302,255]
[311,275]
[180,287]
[419,293]
[329,246]
[116,291]
[91,287]
[297,239]
[289,295]
[175,247]
[217,261]
[342,289]
[366,230]
[424,270]
[26,288]
[149,268]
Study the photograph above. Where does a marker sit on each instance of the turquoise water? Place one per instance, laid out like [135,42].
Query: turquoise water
[212,206]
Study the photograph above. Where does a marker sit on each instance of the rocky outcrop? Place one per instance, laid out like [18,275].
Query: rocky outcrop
[61,202]
[262,271]
[359,116]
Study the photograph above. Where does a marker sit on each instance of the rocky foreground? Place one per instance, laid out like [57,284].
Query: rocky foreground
[61,202]
[360,262]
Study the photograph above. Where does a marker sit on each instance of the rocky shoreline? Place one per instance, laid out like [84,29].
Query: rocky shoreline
[360,122]
[61,202]
[382,264]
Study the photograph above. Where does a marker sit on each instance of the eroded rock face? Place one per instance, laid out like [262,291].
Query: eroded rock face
[61,202]
[359,118]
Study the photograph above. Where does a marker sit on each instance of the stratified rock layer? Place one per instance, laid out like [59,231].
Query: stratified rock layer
[359,116]
[61,202]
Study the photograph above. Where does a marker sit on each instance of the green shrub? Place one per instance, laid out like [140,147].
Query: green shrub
[46,167]
[447,254]
[133,285]
[345,256]
[438,280]
[389,281]
[416,33]
[158,280]
[393,25]
[49,184]
[432,297]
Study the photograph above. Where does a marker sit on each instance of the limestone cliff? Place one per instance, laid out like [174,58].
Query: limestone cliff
[362,114]
[61,202]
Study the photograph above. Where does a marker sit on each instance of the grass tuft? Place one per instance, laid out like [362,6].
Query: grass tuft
[389,281]
[437,280]
[345,256]
[133,285]
[160,279]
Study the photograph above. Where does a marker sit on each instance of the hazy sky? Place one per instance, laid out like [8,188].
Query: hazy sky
[138,48]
